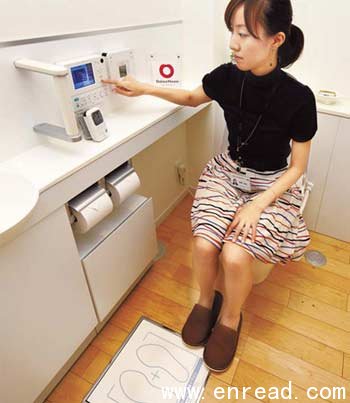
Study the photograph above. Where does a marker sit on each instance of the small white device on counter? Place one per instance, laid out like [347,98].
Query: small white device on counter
[89,208]
[95,126]
[327,97]
[79,87]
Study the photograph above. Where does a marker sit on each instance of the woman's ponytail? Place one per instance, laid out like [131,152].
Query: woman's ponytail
[292,48]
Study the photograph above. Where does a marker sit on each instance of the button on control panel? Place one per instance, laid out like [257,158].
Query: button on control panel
[90,99]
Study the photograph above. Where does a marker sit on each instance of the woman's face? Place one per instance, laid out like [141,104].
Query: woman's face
[250,53]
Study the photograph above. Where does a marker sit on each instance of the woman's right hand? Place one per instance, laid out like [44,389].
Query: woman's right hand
[127,86]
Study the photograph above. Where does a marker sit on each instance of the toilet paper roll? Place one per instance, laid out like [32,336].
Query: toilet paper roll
[93,213]
[123,189]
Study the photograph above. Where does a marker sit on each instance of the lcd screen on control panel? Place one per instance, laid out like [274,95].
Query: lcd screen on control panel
[123,71]
[83,75]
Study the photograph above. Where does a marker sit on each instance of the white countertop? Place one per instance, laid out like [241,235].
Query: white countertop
[340,108]
[48,164]
[18,199]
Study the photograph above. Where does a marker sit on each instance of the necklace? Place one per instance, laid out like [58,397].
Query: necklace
[241,143]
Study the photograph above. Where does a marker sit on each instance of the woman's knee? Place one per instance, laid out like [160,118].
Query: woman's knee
[205,248]
[235,259]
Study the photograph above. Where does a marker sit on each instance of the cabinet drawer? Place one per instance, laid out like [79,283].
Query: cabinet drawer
[116,262]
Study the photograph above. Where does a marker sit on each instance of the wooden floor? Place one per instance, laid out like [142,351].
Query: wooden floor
[296,324]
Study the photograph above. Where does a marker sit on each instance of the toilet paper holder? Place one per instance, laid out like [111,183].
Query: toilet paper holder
[118,174]
[85,198]
[89,199]
[80,202]
[122,183]
[92,204]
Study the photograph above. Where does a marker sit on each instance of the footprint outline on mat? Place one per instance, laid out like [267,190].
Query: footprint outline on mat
[164,369]
[126,393]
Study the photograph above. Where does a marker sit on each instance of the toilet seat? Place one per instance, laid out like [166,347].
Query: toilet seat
[262,270]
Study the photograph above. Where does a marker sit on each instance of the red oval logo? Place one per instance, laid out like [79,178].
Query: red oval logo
[163,70]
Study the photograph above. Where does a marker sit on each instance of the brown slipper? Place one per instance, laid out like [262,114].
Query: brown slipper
[221,347]
[200,322]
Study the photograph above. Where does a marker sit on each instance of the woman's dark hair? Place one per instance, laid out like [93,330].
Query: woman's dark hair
[275,16]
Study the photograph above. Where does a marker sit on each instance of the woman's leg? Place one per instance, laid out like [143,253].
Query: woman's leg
[205,265]
[237,266]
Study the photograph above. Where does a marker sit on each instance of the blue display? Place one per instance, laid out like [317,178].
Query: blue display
[83,75]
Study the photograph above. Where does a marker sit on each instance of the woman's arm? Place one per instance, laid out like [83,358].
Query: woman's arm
[130,87]
[179,96]
[298,165]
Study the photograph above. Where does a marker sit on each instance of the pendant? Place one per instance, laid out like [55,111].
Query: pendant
[238,162]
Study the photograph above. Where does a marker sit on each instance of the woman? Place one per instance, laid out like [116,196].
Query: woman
[247,203]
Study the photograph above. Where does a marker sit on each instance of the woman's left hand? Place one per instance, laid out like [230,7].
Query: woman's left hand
[246,218]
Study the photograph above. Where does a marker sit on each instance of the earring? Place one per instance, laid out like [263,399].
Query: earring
[271,63]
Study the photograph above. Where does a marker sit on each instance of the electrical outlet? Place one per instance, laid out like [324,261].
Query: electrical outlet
[181,172]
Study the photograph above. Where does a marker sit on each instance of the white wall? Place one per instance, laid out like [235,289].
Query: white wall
[206,47]
[22,19]
[326,58]
[198,38]
[205,35]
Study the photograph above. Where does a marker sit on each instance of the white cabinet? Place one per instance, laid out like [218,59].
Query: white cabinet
[46,310]
[334,216]
[117,251]
[327,210]
[322,146]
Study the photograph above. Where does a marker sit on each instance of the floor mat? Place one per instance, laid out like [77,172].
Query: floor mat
[152,366]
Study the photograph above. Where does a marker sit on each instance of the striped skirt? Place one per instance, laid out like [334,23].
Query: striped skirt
[281,233]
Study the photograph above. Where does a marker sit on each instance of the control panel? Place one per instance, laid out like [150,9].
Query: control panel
[85,89]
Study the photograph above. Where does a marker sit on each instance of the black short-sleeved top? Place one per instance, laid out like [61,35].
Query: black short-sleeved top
[291,115]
